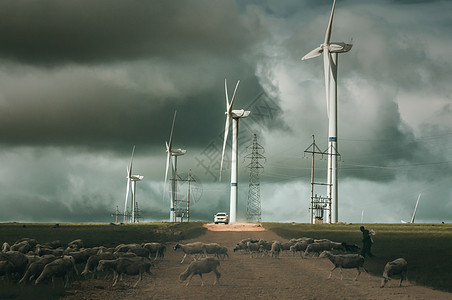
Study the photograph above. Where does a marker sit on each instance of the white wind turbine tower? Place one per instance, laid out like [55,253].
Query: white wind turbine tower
[414,213]
[131,181]
[330,60]
[235,115]
[171,159]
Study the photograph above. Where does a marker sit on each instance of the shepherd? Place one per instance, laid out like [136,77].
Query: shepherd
[367,242]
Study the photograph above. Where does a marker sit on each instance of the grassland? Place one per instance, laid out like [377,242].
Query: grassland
[101,234]
[426,247]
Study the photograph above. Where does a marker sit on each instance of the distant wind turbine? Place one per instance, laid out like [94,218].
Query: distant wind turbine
[414,213]
[131,182]
[330,60]
[235,115]
[171,159]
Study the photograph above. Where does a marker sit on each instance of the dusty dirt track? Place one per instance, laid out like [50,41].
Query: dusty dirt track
[244,277]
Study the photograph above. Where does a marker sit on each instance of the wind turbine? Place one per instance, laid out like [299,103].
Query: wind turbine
[235,115]
[131,181]
[330,52]
[171,159]
[414,213]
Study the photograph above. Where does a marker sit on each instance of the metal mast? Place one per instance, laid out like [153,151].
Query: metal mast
[253,211]
[321,206]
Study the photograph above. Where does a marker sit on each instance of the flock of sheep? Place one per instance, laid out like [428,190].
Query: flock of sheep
[28,261]
[346,256]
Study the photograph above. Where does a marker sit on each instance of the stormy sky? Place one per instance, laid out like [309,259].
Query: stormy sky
[82,82]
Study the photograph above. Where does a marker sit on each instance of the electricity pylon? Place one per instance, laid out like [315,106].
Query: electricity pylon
[253,210]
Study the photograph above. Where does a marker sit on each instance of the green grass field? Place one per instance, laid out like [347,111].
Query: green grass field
[426,247]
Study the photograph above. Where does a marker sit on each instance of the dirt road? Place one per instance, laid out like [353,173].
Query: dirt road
[244,277]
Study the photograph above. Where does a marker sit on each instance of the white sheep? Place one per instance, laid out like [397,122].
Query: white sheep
[275,249]
[345,261]
[395,267]
[191,249]
[199,267]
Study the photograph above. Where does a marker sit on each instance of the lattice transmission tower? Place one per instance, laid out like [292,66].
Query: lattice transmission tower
[253,210]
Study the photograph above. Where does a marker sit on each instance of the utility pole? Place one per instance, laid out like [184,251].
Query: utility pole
[319,205]
[253,211]
[116,214]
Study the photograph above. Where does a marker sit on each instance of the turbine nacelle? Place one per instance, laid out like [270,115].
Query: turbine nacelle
[239,113]
[136,177]
[178,152]
[175,152]
[339,47]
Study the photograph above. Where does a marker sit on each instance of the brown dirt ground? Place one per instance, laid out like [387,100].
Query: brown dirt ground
[243,277]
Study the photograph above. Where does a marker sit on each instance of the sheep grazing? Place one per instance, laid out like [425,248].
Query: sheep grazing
[5,247]
[127,266]
[75,244]
[93,261]
[61,267]
[22,247]
[191,249]
[276,249]
[265,246]
[222,253]
[156,250]
[345,261]
[317,248]
[199,267]
[127,248]
[6,269]
[253,248]
[395,267]
[299,247]
[217,250]
[35,268]
[18,260]
[307,240]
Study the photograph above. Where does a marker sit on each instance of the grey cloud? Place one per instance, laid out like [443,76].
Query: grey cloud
[50,32]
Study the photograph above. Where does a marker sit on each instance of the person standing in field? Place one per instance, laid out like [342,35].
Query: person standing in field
[367,243]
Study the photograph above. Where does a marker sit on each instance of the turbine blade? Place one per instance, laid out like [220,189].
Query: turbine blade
[327,66]
[129,173]
[226,132]
[233,97]
[127,197]
[168,161]
[330,23]
[314,53]
[226,93]
[415,208]
[171,134]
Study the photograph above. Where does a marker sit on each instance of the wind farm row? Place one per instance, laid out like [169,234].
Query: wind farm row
[330,51]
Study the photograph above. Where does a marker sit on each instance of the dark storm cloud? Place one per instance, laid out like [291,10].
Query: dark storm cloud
[51,32]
